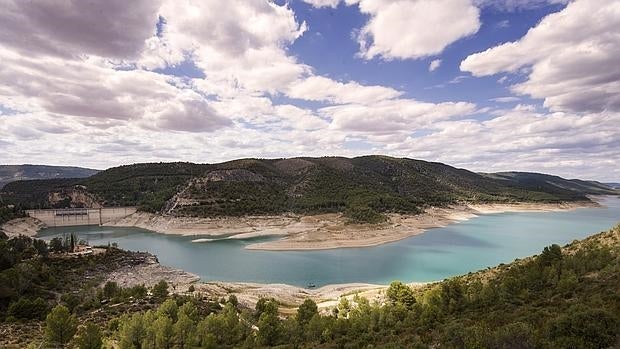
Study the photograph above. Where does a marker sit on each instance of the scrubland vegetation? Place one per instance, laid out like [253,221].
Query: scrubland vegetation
[363,188]
[566,297]
[8,213]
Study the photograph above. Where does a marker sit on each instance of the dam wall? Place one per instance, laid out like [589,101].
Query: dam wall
[80,216]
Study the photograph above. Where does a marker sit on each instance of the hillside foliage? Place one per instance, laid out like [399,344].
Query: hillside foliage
[566,297]
[8,213]
[11,173]
[364,188]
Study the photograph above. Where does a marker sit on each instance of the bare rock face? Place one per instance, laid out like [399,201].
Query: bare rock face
[144,269]
[235,175]
[74,197]
[27,226]
[192,192]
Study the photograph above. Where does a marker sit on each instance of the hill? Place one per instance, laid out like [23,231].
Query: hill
[11,173]
[362,187]
[549,183]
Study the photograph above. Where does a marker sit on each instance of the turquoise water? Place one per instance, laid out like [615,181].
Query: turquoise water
[439,253]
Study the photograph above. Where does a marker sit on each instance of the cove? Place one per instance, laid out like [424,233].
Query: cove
[460,248]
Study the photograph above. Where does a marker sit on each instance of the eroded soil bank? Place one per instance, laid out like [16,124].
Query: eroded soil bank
[326,231]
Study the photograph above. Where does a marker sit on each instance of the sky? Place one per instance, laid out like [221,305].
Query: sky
[486,85]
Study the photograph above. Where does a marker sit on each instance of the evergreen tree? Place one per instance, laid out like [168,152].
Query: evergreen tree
[89,337]
[269,328]
[160,290]
[184,331]
[132,332]
[164,334]
[306,311]
[60,326]
[399,293]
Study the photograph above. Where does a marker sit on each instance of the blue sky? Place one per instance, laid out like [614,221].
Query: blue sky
[329,48]
[529,85]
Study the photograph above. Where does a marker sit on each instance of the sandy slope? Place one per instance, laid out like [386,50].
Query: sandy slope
[22,226]
[290,297]
[150,273]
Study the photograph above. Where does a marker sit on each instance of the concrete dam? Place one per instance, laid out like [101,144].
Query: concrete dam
[80,216]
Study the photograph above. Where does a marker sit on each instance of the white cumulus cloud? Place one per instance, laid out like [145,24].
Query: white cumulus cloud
[572,58]
[323,3]
[409,29]
[434,64]
[318,88]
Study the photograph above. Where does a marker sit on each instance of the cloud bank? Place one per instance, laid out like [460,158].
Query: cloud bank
[78,86]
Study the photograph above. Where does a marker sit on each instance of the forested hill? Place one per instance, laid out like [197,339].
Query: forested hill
[11,173]
[539,181]
[362,187]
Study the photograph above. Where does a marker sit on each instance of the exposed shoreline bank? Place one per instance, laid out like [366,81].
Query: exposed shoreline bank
[326,231]
[304,233]
[247,293]
[26,226]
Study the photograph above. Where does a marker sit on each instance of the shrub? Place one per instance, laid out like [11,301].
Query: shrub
[26,308]
[160,290]
[60,326]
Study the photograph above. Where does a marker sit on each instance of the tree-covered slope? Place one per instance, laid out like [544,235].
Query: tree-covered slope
[362,187]
[549,183]
[11,173]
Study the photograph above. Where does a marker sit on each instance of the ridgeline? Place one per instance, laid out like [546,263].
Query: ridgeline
[363,187]
[12,173]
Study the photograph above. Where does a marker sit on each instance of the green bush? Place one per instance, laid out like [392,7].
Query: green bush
[160,290]
[25,308]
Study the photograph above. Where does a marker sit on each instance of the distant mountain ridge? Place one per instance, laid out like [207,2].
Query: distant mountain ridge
[363,188]
[537,181]
[11,173]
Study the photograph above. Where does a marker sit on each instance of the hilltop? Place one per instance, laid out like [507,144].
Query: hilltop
[12,173]
[550,184]
[363,188]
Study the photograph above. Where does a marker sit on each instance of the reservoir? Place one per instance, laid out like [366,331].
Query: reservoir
[438,253]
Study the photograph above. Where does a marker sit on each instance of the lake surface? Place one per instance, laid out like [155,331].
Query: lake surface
[438,253]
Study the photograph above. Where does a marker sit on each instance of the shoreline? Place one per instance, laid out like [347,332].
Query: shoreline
[326,231]
[26,226]
[291,296]
[308,233]
[247,293]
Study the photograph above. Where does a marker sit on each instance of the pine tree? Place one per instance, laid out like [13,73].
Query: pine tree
[60,326]
[89,337]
